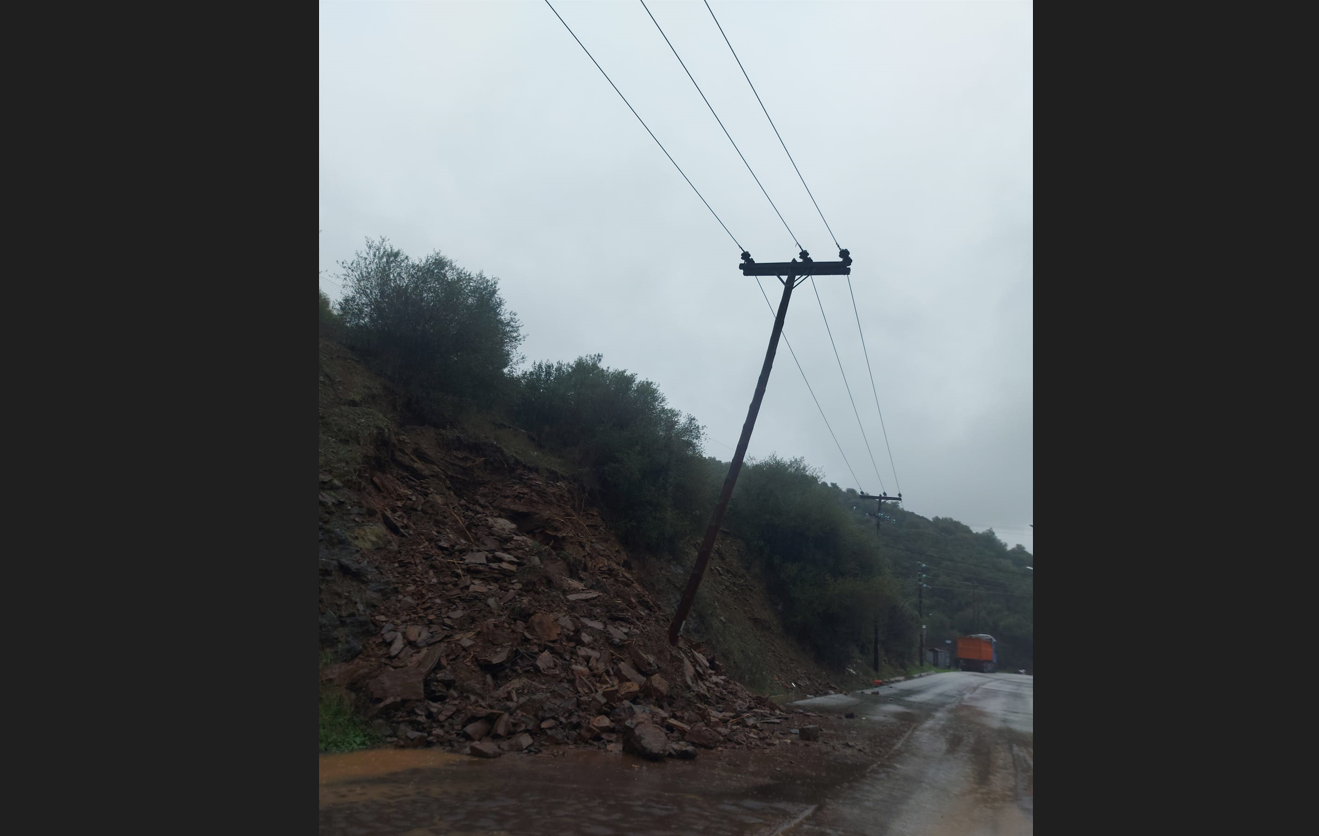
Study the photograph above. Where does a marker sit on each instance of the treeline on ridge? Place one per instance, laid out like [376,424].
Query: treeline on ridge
[445,338]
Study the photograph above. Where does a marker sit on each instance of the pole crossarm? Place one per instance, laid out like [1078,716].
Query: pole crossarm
[782,268]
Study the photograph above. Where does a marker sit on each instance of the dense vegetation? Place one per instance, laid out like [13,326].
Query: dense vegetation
[438,331]
[444,336]
[641,458]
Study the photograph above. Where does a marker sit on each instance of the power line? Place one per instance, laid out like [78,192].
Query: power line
[872,384]
[830,332]
[721,123]
[720,443]
[1002,583]
[985,591]
[642,121]
[951,560]
[964,574]
[974,525]
[772,125]
[809,389]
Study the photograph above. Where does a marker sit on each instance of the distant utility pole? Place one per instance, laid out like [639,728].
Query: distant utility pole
[879,516]
[920,606]
[794,271]
[879,504]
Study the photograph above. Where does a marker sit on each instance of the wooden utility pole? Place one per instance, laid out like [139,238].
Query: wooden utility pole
[795,271]
[920,605]
[879,504]
[879,515]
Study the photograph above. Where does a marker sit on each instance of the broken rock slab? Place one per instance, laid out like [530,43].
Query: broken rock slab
[626,670]
[518,743]
[544,627]
[703,736]
[484,749]
[628,691]
[647,740]
[682,750]
[399,684]
[642,661]
[657,687]
[810,732]
[547,663]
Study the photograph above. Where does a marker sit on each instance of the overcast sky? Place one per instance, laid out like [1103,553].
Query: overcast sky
[481,129]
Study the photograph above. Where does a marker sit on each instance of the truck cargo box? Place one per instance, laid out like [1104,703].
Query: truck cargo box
[978,652]
[977,649]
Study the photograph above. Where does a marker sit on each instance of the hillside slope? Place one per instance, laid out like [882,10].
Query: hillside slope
[469,595]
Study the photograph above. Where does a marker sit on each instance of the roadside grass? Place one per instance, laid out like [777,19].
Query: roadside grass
[342,729]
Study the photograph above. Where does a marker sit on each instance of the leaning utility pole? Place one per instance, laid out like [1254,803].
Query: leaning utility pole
[879,515]
[794,270]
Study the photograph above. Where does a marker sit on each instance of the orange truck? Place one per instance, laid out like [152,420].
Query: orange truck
[977,653]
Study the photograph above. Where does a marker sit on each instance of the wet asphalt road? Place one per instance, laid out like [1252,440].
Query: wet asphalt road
[964,767]
[965,770]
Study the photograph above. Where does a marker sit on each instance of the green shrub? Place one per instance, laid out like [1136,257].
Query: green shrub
[331,326]
[341,728]
[642,458]
[429,326]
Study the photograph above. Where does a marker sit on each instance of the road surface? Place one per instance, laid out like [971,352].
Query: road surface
[957,760]
[965,770]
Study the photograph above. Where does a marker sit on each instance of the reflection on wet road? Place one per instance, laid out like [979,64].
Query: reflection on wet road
[594,793]
[965,768]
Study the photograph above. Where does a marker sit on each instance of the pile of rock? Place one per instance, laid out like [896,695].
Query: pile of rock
[513,623]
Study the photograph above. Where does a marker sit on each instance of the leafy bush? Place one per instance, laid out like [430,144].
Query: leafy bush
[330,326]
[341,728]
[429,325]
[642,458]
[819,562]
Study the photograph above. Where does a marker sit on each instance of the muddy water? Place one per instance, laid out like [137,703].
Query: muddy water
[957,759]
[420,792]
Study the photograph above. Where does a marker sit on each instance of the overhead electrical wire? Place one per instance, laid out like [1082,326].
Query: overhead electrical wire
[871,372]
[951,560]
[721,123]
[772,125]
[985,591]
[772,205]
[830,332]
[960,576]
[720,443]
[642,121]
[963,578]
[998,581]
[815,203]
[809,389]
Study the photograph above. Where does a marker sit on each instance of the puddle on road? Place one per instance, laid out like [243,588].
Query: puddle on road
[373,763]
[427,792]
[733,792]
